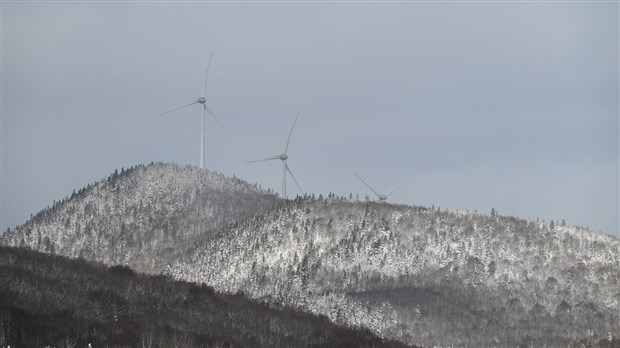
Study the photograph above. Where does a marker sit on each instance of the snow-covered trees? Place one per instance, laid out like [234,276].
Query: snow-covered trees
[140,215]
[365,263]
[51,301]
[426,276]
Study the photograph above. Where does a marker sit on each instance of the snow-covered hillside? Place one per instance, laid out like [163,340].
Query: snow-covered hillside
[52,301]
[136,216]
[420,275]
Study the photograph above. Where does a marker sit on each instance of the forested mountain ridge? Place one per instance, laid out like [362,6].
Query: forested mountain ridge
[53,301]
[139,215]
[421,275]
[418,275]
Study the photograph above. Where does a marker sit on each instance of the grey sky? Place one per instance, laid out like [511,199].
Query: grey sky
[472,105]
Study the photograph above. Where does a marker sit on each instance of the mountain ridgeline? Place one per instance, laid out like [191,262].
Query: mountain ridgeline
[141,216]
[420,275]
[413,274]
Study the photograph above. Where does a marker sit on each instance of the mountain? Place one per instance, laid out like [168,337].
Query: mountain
[48,301]
[422,276]
[141,216]
[417,275]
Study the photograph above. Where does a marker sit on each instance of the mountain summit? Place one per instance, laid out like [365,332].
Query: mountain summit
[414,274]
[141,215]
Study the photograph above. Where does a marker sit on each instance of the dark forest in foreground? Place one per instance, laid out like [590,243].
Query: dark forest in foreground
[52,300]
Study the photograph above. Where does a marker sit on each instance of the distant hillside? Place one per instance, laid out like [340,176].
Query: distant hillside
[48,301]
[141,216]
[420,275]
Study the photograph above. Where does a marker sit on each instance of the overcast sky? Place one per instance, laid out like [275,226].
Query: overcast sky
[470,105]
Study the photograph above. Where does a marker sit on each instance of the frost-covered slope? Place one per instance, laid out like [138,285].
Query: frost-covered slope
[52,301]
[140,215]
[420,275]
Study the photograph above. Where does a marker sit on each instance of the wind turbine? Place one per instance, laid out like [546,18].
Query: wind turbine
[283,157]
[382,197]
[202,100]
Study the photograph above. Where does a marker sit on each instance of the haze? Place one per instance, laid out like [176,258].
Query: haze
[470,105]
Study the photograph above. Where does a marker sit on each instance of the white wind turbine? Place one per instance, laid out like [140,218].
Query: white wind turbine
[283,157]
[202,100]
[382,197]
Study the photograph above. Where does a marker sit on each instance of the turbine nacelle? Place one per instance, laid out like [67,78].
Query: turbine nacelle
[202,100]
[381,197]
[283,157]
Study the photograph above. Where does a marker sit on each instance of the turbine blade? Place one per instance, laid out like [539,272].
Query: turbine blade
[265,159]
[394,189]
[289,135]
[365,183]
[180,107]
[293,176]
[217,119]
[204,84]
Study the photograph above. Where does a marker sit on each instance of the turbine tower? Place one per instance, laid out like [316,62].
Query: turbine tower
[283,157]
[202,100]
[381,197]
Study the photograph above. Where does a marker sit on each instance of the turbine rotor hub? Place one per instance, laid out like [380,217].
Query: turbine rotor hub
[284,157]
[202,100]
